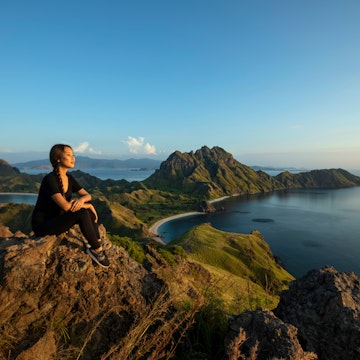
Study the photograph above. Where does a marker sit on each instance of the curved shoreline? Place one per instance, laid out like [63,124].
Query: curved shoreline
[154,229]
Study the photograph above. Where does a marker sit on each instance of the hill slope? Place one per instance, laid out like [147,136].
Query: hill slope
[210,173]
[7,170]
[330,178]
[246,256]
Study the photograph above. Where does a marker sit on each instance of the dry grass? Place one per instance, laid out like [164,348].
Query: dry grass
[155,334]
[234,348]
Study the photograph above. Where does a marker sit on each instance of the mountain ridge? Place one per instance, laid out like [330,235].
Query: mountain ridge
[86,162]
[214,173]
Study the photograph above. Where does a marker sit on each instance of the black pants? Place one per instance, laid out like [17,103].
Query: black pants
[64,222]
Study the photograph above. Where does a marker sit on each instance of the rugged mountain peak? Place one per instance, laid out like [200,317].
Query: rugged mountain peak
[216,153]
[209,173]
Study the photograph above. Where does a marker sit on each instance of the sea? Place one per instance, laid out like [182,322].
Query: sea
[305,229]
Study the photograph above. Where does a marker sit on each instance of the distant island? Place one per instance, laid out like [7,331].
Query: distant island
[84,162]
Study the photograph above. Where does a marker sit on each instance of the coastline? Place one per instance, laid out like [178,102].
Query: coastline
[154,229]
[17,193]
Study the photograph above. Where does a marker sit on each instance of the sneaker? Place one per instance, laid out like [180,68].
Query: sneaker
[99,257]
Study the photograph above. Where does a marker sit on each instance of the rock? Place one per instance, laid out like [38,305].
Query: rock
[5,232]
[51,290]
[261,335]
[44,349]
[324,305]
[206,207]
[317,316]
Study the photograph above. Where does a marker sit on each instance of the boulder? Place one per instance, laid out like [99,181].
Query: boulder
[324,305]
[316,318]
[261,335]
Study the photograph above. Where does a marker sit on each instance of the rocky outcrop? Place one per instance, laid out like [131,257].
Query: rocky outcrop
[261,335]
[206,207]
[54,301]
[325,307]
[318,315]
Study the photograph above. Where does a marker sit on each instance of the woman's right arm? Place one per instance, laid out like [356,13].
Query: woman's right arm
[62,202]
[67,205]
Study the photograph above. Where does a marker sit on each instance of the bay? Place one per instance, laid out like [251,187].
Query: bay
[18,198]
[103,174]
[306,229]
[106,173]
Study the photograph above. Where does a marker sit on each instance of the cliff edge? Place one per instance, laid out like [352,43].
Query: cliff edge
[56,304]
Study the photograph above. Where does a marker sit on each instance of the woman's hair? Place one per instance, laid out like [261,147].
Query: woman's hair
[55,155]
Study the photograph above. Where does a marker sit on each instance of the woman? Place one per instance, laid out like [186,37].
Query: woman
[56,212]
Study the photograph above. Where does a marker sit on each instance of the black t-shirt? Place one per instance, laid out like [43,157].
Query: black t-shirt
[46,208]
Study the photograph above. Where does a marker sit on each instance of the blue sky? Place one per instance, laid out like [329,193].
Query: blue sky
[274,82]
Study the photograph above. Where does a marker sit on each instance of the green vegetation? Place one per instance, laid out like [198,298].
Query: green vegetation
[205,338]
[16,217]
[133,248]
[241,264]
[153,205]
[209,173]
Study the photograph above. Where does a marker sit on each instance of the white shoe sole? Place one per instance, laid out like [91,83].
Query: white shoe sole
[88,251]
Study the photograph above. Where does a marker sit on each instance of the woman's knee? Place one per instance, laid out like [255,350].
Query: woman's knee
[83,213]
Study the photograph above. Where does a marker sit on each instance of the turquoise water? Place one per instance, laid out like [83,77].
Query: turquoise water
[307,228]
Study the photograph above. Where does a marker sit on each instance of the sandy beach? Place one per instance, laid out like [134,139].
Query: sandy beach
[155,228]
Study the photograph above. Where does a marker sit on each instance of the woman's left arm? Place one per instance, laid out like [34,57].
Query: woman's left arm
[84,197]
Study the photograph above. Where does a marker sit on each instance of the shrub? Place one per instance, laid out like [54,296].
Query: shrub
[133,248]
[168,256]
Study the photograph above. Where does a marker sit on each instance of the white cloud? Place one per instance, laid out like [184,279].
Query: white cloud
[84,147]
[138,146]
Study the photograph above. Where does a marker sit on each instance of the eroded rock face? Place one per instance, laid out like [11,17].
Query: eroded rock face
[50,291]
[318,317]
[324,305]
[261,335]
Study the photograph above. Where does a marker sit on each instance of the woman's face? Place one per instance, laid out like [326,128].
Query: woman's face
[67,159]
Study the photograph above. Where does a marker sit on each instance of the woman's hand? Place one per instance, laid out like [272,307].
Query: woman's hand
[76,205]
[92,209]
